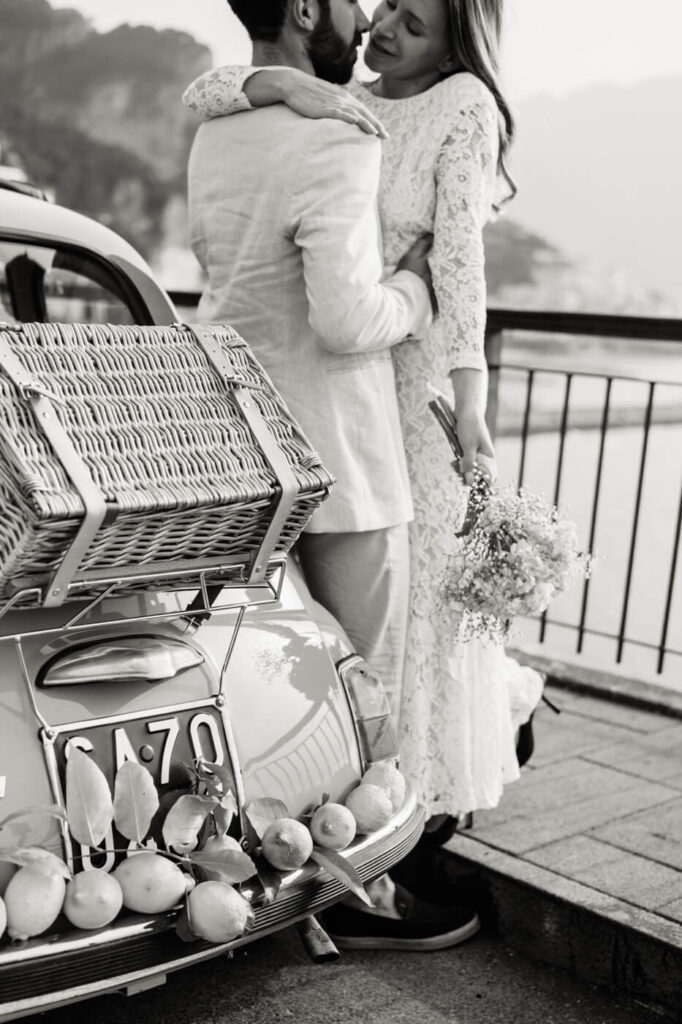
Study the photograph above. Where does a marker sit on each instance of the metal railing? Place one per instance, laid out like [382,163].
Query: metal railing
[549,381]
[615,384]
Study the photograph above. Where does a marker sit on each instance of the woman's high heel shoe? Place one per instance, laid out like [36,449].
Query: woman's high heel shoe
[445,830]
[525,741]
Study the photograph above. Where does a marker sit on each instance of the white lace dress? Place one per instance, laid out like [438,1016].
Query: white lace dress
[439,174]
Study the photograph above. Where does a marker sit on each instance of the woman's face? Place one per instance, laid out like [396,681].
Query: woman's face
[409,40]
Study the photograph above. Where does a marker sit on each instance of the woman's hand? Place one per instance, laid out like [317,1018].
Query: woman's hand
[470,386]
[477,446]
[416,260]
[312,97]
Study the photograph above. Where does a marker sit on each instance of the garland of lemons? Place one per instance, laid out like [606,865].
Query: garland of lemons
[201,868]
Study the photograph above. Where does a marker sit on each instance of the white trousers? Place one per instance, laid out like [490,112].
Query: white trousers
[363,580]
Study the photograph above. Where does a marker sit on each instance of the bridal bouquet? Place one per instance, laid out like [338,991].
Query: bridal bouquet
[515,551]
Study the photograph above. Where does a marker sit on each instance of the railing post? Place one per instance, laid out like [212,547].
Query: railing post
[493,357]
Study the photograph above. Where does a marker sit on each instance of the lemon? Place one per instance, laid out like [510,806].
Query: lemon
[217,912]
[33,901]
[333,826]
[214,847]
[370,806]
[93,899]
[218,844]
[386,776]
[286,844]
[3,917]
[151,883]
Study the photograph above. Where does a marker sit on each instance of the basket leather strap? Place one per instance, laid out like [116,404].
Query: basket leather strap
[41,402]
[286,482]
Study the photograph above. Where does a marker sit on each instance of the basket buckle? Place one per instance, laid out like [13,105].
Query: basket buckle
[33,389]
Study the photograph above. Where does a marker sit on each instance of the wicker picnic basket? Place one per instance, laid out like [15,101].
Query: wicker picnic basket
[124,448]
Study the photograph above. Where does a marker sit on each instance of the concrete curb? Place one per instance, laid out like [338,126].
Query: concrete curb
[598,938]
[607,686]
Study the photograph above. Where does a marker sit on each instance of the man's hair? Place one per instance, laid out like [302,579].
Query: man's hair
[263,19]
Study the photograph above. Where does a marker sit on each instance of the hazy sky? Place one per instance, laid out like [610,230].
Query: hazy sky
[550,46]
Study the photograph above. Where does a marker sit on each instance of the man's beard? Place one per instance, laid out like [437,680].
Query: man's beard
[331,57]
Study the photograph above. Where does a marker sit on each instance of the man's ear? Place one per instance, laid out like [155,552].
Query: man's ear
[305,14]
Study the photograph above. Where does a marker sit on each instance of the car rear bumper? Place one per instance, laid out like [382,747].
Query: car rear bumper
[137,952]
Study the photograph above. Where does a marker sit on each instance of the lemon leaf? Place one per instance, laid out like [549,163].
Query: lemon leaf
[341,869]
[185,819]
[136,800]
[183,926]
[89,808]
[216,777]
[270,879]
[225,812]
[233,866]
[40,860]
[263,812]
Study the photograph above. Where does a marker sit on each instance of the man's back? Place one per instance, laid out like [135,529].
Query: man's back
[282,219]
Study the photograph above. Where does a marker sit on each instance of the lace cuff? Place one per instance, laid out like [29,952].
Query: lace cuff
[219,92]
[465,174]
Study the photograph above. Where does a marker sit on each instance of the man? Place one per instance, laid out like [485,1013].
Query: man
[283,221]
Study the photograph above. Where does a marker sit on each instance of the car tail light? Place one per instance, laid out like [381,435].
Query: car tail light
[371,710]
[130,659]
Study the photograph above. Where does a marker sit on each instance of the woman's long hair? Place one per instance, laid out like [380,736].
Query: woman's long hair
[476,28]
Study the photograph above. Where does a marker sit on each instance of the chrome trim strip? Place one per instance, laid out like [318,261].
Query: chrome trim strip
[57,794]
[273,595]
[340,666]
[43,723]
[228,654]
[91,606]
[236,764]
[408,820]
[193,658]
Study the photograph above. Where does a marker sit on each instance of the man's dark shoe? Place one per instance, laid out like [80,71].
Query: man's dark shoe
[421,927]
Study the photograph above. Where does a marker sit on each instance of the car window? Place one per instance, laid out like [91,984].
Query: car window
[50,284]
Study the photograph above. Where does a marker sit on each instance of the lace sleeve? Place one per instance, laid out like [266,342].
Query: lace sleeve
[466,175]
[219,92]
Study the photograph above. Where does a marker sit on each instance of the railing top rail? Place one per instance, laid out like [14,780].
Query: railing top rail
[644,328]
[184,298]
[604,325]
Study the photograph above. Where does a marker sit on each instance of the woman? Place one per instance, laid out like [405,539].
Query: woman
[449,129]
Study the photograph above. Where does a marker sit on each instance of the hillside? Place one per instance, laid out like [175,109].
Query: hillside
[96,117]
[599,172]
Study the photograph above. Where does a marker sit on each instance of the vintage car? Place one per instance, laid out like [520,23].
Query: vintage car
[256,678]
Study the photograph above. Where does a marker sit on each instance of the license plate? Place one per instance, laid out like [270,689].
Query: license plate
[166,744]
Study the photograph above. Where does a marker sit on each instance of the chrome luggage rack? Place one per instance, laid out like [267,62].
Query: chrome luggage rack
[218,587]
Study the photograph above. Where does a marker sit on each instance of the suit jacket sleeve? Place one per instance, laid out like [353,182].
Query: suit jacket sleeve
[336,226]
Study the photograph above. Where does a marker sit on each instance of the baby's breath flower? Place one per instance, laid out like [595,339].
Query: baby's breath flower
[515,554]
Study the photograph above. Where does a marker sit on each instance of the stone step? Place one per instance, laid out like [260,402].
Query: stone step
[580,865]
[599,939]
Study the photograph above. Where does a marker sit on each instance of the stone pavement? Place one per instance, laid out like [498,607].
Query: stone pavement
[581,864]
[274,982]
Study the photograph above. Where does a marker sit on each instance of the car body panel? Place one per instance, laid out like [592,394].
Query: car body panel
[264,690]
[37,222]
[290,730]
